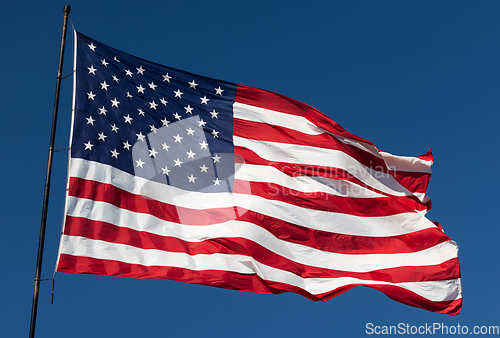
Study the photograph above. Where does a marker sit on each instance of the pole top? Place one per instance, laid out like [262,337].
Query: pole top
[67,9]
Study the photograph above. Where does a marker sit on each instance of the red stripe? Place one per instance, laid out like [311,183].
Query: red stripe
[217,278]
[321,240]
[427,156]
[413,181]
[235,281]
[363,207]
[280,103]
[108,193]
[404,296]
[272,133]
[294,170]
[241,246]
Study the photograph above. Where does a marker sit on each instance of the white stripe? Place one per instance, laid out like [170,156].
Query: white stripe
[268,174]
[446,290]
[380,226]
[422,197]
[79,246]
[406,163]
[100,211]
[256,114]
[299,154]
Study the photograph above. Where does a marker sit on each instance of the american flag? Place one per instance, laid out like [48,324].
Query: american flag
[178,176]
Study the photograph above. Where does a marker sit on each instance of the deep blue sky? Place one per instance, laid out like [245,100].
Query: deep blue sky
[407,76]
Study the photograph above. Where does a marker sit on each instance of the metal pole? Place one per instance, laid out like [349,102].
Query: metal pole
[67,10]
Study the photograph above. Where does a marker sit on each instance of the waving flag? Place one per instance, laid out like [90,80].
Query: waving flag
[179,176]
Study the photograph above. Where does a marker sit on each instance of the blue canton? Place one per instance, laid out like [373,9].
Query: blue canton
[152,121]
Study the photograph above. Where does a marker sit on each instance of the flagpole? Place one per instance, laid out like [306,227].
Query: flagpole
[34,307]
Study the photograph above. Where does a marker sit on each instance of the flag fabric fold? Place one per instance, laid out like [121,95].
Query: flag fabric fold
[178,176]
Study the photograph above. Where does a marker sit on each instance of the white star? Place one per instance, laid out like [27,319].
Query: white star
[91,46]
[214,114]
[152,85]
[165,122]
[152,153]
[192,84]
[116,59]
[88,146]
[91,96]
[163,101]
[217,181]
[104,63]
[128,119]
[190,154]
[178,138]
[153,128]
[141,112]
[129,95]
[177,116]
[104,85]
[166,78]
[140,137]
[190,131]
[218,91]
[203,145]
[114,128]
[91,69]
[216,158]
[102,137]
[177,162]
[189,110]
[204,99]
[140,70]
[126,145]
[191,178]
[165,170]
[114,153]
[115,79]
[215,133]
[140,89]
[153,105]
[203,168]
[201,123]
[140,163]
[178,93]
[114,103]
[128,72]
[90,120]
[102,111]
[165,146]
